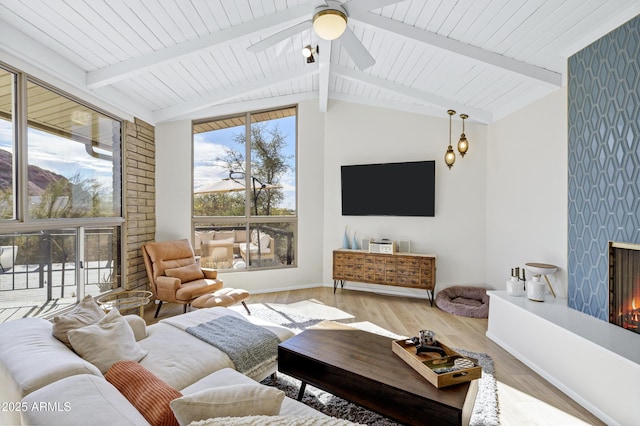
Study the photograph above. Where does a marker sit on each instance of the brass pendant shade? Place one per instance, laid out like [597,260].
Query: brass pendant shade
[463,143]
[450,156]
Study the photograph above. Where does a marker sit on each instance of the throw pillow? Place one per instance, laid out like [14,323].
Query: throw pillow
[228,401]
[265,240]
[145,391]
[108,341]
[221,241]
[87,312]
[185,273]
[224,235]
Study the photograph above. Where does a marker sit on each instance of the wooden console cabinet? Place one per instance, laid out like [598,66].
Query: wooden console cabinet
[402,269]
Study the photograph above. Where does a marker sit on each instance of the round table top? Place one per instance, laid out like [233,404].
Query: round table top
[540,268]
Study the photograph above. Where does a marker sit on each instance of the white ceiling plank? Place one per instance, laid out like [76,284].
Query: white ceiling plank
[603,26]
[398,106]
[230,108]
[23,47]
[279,36]
[359,7]
[481,116]
[204,12]
[115,27]
[126,69]
[490,58]
[187,26]
[43,31]
[228,94]
[130,13]
[158,9]
[324,68]
[193,17]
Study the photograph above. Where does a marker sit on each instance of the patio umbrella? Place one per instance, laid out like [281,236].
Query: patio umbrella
[229,185]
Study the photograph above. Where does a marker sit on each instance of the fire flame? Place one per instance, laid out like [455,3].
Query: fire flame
[633,304]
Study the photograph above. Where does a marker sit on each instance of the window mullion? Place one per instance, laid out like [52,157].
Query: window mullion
[21,160]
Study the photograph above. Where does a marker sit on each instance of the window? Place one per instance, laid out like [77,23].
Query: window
[7,169]
[244,201]
[60,197]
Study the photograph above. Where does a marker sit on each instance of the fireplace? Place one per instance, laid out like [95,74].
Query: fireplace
[624,285]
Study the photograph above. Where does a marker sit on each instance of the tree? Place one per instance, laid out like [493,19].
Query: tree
[268,162]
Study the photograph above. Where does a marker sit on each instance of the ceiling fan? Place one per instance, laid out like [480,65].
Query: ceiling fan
[329,22]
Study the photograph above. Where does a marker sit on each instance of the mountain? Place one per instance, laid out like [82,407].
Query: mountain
[39,178]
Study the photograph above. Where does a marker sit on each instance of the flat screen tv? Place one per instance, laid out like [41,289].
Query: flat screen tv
[389,189]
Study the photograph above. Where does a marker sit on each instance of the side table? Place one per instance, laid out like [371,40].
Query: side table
[125,300]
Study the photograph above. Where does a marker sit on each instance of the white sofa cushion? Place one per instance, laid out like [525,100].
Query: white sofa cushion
[245,399]
[85,313]
[34,358]
[108,341]
[81,400]
[229,376]
[275,421]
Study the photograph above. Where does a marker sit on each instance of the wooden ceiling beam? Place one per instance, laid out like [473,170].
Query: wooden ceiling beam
[221,96]
[420,96]
[139,64]
[325,70]
[545,76]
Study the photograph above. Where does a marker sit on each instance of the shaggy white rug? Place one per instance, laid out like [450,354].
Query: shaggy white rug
[485,410]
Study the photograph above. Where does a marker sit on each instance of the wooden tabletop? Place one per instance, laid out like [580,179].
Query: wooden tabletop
[357,355]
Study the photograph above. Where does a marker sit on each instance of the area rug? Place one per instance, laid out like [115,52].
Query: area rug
[485,410]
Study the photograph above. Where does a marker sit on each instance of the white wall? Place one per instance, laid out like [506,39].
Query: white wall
[173,200]
[356,134]
[502,205]
[527,191]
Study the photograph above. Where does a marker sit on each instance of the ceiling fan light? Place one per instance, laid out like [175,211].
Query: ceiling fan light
[329,24]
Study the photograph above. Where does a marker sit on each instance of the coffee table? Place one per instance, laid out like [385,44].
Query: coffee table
[360,367]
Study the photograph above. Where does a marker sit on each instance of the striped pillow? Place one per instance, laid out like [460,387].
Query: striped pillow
[149,394]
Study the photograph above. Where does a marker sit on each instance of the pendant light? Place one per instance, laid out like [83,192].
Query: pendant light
[463,143]
[450,156]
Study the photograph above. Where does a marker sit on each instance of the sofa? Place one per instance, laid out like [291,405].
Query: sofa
[221,246]
[44,381]
[234,237]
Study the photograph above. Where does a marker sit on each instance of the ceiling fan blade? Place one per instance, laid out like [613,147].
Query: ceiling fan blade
[358,7]
[356,50]
[279,36]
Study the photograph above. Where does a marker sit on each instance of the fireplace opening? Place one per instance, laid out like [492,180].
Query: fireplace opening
[624,285]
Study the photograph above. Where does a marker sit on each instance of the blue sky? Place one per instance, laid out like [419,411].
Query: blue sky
[211,145]
[63,156]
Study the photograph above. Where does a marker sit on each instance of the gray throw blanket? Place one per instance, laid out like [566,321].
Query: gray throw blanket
[246,344]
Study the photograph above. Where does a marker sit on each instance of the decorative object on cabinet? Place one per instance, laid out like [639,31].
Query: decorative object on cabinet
[542,269]
[345,239]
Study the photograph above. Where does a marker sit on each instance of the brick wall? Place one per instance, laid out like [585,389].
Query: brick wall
[139,199]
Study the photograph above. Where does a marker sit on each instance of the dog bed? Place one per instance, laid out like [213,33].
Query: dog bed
[464,301]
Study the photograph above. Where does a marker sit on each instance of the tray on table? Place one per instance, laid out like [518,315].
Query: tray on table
[429,363]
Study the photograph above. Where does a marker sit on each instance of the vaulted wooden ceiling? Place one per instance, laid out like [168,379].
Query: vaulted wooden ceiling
[169,59]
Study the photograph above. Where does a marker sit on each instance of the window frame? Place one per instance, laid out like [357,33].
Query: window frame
[249,220]
[22,222]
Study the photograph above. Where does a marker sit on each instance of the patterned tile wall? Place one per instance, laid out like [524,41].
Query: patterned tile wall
[604,161]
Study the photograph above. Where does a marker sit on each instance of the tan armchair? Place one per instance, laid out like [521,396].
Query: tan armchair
[175,276]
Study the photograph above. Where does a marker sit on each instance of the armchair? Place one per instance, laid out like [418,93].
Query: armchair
[176,277]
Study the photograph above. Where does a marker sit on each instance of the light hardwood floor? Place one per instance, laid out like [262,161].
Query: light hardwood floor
[524,397]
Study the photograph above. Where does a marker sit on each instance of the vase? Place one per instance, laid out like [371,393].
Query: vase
[354,244]
[345,240]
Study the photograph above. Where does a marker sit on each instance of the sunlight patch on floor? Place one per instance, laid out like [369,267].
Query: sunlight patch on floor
[515,404]
[310,309]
